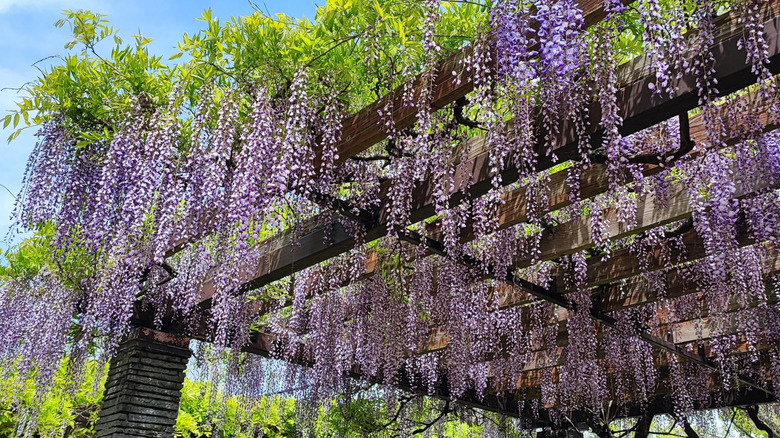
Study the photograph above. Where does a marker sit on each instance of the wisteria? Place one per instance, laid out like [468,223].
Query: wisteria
[540,236]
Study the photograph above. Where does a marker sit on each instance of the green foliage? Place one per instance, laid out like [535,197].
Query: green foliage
[199,415]
[355,50]
[38,252]
[90,92]
[28,257]
[70,409]
[354,418]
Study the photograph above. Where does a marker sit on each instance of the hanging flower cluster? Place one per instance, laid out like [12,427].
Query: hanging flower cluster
[671,233]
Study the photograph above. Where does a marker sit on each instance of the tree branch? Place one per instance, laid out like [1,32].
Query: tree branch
[752,412]
[460,118]
[689,430]
[642,426]
[427,426]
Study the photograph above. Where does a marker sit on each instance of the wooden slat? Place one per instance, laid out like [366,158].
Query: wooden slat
[637,291]
[640,110]
[684,333]
[530,377]
[453,81]
[624,264]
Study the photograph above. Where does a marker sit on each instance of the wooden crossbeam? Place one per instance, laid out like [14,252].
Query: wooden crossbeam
[623,264]
[574,235]
[641,109]
[530,376]
[637,291]
[638,112]
[660,401]
[453,81]
[266,341]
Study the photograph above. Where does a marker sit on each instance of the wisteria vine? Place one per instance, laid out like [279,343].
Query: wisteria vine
[174,211]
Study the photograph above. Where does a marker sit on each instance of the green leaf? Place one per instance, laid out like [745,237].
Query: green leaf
[14,134]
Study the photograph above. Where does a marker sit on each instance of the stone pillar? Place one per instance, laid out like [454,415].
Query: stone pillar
[144,384]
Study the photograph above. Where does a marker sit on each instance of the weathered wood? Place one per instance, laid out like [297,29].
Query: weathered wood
[452,81]
[638,105]
[624,264]
[531,376]
[636,291]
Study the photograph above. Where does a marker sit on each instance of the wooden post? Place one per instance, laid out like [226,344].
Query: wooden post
[144,384]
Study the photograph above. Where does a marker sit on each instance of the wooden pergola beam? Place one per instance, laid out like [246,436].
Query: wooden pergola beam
[453,81]
[574,236]
[639,107]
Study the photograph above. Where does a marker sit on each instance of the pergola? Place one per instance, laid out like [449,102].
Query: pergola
[145,377]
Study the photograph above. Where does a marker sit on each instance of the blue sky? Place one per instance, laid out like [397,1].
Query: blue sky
[27,34]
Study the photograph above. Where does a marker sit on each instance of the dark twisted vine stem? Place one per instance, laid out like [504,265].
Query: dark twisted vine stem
[752,412]
[633,429]
[372,158]
[392,149]
[457,111]
[401,406]
[600,428]
[425,426]
[670,234]
[731,422]
[165,266]
[642,426]
[171,273]
[679,231]
[689,432]
[372,428]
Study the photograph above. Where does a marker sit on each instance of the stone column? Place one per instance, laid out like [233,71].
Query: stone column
[144,384]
